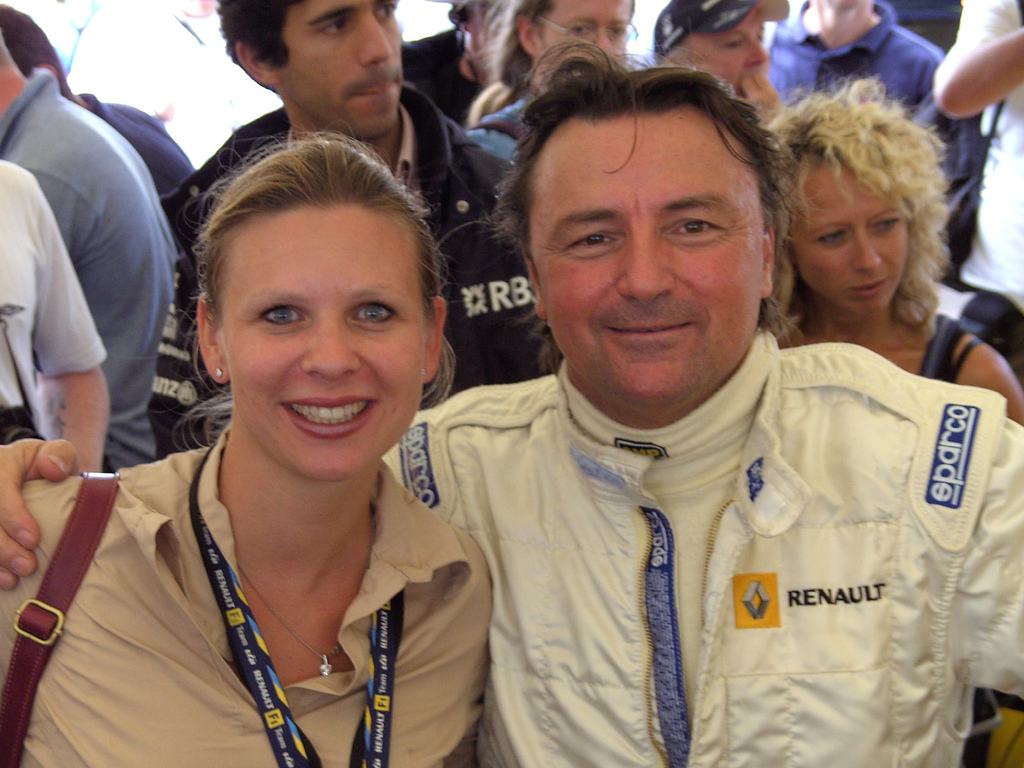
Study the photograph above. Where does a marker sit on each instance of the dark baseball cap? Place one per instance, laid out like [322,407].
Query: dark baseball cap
[681,17]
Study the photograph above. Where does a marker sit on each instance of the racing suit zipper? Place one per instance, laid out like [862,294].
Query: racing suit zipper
[648,641]
[712,537]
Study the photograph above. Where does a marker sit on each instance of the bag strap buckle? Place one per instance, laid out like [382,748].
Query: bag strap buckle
[42,623]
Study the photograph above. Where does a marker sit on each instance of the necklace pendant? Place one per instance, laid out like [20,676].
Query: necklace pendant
[325,666]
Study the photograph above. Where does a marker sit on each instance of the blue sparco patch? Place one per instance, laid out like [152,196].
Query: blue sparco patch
[417,472]
[595,471]
[952,455]
[754,480]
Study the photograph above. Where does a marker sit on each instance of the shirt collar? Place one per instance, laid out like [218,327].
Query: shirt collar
[870,41]
[725,417]
[406,169]
[36,82]
[873,39]
[411,543]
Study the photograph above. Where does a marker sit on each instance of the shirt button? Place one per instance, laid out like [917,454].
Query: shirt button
[462,206]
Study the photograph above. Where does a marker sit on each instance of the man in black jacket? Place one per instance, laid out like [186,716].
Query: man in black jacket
[336,65]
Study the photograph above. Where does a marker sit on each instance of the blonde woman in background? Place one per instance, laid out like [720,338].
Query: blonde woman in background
[866,250]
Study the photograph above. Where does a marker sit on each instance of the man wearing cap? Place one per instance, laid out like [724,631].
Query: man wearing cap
[725,38]
[450,67]
[833,40]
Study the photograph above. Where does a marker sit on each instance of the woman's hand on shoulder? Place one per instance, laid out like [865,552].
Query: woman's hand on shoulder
[20,462]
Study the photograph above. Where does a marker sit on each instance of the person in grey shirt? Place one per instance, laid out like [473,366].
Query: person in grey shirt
[115,231]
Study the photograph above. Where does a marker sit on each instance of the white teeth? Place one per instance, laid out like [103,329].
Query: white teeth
[339,415]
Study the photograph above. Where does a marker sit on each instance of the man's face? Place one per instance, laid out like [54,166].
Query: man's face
[606,21]
[732,55]
[344,69]
[649,257]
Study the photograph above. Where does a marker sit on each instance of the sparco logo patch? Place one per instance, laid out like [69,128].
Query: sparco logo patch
[644,449]
[756,600]
[952,455]
[417,473]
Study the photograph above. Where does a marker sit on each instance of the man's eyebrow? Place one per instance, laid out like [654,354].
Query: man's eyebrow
[587,216]
[335,14]
[577,218]
[698,201]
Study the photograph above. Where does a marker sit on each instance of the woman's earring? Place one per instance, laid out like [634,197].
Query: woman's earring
[219,373]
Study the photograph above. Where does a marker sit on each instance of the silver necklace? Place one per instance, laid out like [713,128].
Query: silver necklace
[325,658]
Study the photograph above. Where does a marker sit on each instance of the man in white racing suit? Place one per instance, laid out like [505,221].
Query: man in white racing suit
[705,551]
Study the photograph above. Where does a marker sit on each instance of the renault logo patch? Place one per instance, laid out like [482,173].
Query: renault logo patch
[756,600]
[952,455]
[644,449]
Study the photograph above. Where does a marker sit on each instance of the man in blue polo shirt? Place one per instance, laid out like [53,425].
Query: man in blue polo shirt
[833,40]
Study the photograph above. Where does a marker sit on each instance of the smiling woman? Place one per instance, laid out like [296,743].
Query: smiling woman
[321,308]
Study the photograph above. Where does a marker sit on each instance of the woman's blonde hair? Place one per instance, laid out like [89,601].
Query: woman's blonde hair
[891,157]
[318,171]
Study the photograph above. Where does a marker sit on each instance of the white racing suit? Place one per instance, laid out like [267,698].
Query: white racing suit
[865,576]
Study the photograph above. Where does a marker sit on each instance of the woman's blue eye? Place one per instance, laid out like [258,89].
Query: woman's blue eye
[280,315]
[375,313]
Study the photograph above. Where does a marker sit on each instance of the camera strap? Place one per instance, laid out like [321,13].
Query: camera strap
[10,309]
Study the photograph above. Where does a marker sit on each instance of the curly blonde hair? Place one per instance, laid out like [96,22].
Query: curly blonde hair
[857,129]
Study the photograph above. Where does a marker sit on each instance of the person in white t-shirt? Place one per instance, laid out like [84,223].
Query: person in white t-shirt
[43,314]
[984,67]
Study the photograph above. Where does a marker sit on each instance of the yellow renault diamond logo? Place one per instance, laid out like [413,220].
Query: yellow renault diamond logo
[756,600]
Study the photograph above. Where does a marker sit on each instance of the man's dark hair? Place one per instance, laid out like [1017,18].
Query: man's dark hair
[30,47]
[588,84]
[258,24]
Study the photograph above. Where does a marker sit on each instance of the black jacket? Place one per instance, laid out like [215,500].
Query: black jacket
[489,300]
[432,65]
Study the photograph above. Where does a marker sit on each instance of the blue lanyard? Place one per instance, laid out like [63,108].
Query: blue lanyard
[292,749]
[663,621]
[384,638]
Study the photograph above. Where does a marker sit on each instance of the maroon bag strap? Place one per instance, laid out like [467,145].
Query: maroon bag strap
[40,620]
